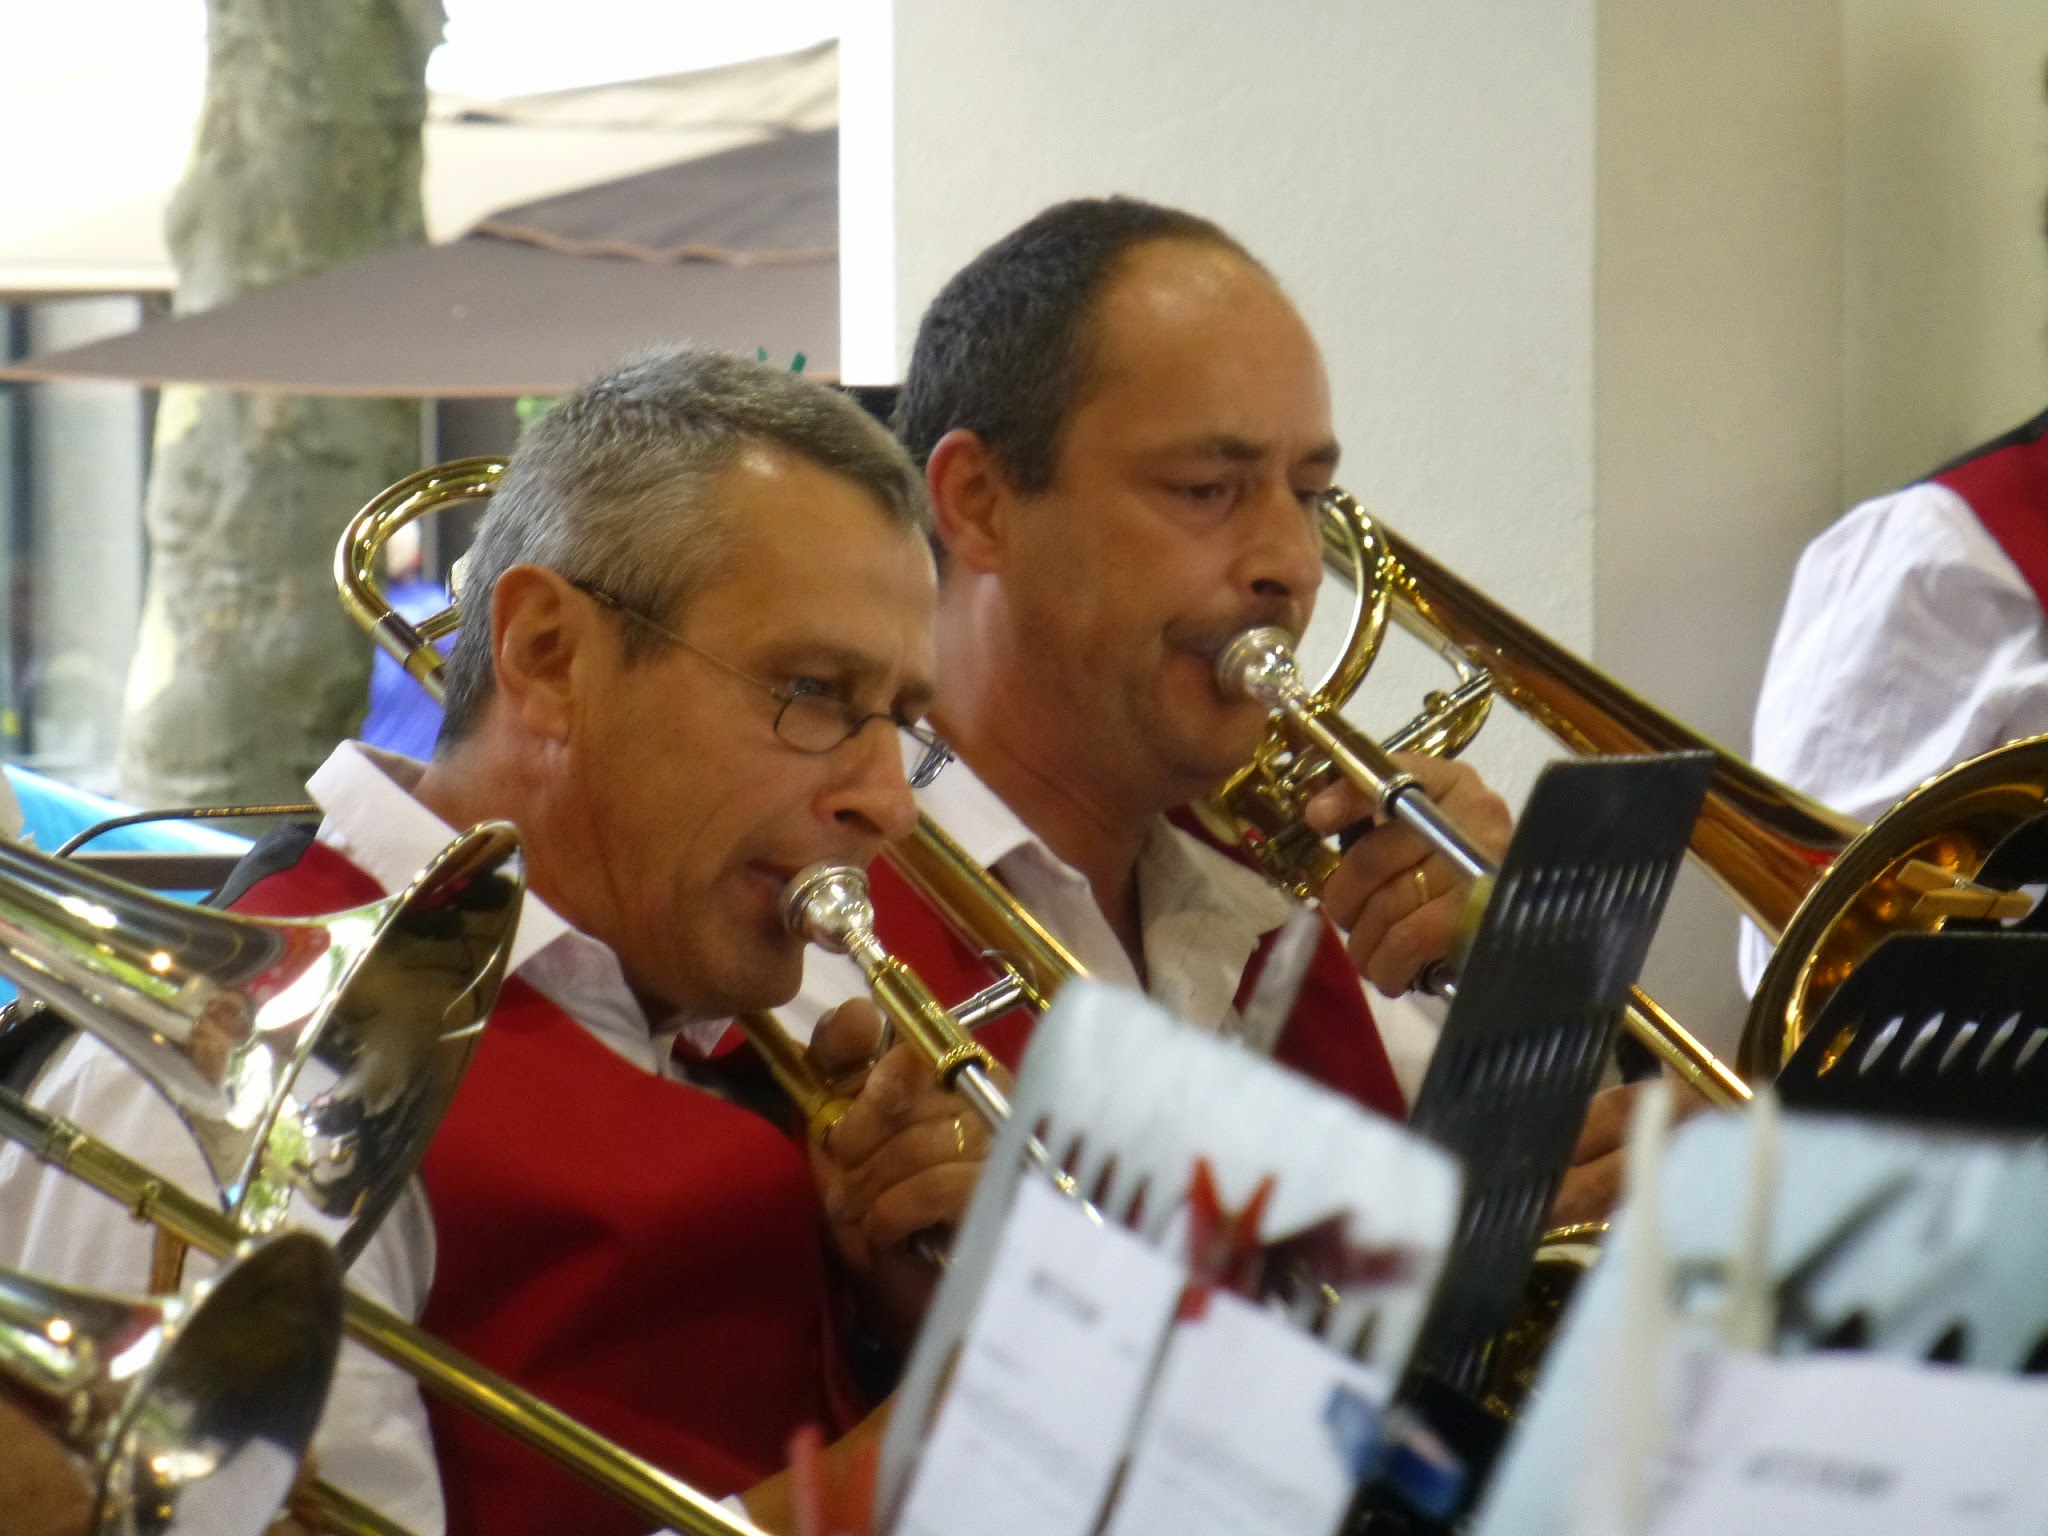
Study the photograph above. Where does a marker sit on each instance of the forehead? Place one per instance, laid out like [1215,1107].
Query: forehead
[1189,339]
[810,556]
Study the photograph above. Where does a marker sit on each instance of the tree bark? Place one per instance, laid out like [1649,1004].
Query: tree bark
[246,671]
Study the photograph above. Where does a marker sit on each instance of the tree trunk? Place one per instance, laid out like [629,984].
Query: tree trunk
[246,671]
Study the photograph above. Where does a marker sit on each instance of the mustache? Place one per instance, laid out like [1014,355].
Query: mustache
[1208,637]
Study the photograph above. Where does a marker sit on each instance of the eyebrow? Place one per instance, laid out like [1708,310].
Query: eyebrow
[1242,450]
[822,656]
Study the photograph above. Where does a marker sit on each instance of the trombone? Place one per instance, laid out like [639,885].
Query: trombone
[1828,889]
[172,1415]
[309,1059]
[348,1036]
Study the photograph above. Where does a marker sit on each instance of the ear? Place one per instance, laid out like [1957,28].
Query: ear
[542,631]
[970,499]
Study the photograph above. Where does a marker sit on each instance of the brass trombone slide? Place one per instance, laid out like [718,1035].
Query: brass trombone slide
[646,1489]
[828,904]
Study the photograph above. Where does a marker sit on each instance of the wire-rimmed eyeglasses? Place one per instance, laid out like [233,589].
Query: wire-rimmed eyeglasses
[809,719]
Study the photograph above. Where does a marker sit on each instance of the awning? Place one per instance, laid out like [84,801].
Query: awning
[85,212]
[736,251]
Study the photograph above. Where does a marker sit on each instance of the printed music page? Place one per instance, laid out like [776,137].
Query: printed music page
[1049,1378]
[1256,1429]
[1851,1445]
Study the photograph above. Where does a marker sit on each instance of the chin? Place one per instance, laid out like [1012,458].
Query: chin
[739,972]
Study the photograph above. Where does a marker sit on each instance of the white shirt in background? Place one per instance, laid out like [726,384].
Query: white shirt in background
[1910,642]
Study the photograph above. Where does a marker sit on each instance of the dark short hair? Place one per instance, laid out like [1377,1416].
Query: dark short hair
[609,488]
[1003,350]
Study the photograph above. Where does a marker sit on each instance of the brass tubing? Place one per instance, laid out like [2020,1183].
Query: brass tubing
[320,1506]
[966,896]
[1680,1050]
[1762,841]
[646,1489]
[1260,664]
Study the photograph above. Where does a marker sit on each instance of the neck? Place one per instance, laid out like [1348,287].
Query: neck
[485,779]
[1013,732]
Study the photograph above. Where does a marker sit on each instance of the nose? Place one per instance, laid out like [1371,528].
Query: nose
[870,796]
[1280,561]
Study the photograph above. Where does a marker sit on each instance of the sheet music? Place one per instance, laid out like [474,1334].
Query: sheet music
[1049,1377]
[1847,1445]
[1256,1429]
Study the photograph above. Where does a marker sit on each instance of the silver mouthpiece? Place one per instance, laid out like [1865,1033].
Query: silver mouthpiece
[828,905]
[1258,664]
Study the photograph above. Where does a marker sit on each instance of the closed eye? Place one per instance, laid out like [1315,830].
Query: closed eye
[1206,493]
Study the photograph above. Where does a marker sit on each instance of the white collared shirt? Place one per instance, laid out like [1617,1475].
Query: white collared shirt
[373,1441]
[1910,642]
[1203,916]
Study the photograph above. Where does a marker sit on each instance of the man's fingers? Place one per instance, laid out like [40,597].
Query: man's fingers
[1393,957]
[937,1197]
[1590,1192]
[1606,1124]
[959,1139]
[1372,868]
[846,1040]
[898,1090]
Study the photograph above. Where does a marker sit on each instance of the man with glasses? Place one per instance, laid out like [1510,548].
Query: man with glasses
[697,632]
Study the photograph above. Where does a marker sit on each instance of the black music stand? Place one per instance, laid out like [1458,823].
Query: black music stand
[1943,1027]
[1540,999]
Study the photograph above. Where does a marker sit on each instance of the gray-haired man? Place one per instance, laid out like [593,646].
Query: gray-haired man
[703,610]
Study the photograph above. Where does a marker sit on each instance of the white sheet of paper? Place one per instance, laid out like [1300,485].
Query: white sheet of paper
[1238,1438]
[1857,1445]
[1049,1378]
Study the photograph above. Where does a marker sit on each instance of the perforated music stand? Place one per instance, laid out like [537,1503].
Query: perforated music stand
[1561,942]
[1947,1027]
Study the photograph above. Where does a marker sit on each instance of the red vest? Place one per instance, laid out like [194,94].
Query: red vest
[643,1255]
[2006,485]
[1330,1037]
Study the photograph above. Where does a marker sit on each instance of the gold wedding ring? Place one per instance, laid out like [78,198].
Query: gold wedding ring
[959,1137]
[1421,878]
[825,1120]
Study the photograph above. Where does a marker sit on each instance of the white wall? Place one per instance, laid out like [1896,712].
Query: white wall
[1946,281]
[1420,176]
[1718,325]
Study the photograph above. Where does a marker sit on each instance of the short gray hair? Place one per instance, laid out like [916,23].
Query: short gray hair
[608,488]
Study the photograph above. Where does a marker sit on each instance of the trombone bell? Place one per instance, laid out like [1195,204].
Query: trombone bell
[312,1057]
[170,1415]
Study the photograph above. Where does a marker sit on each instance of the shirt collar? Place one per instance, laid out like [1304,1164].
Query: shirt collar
[975,817]
[979,821]
[1170,864]
[374,821]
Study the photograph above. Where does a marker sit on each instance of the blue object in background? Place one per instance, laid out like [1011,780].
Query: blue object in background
[403,717]
[53,813]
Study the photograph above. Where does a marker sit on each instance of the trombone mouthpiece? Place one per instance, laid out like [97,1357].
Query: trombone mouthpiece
[827,905]
[1258,664]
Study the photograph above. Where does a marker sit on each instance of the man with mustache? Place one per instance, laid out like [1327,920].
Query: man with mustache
[1124,425]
